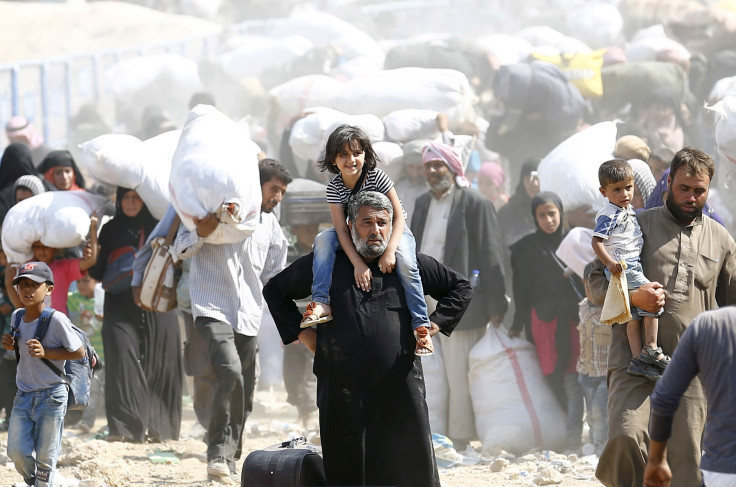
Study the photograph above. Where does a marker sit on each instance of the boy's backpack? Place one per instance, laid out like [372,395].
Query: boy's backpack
[77,374]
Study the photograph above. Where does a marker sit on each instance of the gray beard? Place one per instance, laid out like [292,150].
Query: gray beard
[443,186]
[369,251]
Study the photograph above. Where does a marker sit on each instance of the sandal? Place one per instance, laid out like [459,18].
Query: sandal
[649,356]
[309,318]
[640,369]
[424,346]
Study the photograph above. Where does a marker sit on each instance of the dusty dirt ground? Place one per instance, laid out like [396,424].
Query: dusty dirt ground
[88,461]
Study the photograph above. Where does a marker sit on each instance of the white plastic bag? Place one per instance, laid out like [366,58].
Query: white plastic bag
[123,160]
[571,168]
[215,170]
[441,90]
[59,219]
[411,124]
[514,407]
[725,128]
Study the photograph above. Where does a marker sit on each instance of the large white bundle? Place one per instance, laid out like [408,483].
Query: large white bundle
[123,160]
[307,133]
[725,128]
[505,48]
[597,24]
[214,166]
[369,123]
[571,168]
[411,124]
[59,219]
[290,98]
[323,29]
[722,87]
[442,90]
[540,35]
[514,407]
[386,152]
[355,68]
[652,47]
[256,54]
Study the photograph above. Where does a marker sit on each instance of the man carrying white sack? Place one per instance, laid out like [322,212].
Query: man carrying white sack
[225,284]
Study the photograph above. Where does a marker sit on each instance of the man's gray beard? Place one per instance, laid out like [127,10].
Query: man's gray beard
[369,251]
[443,186]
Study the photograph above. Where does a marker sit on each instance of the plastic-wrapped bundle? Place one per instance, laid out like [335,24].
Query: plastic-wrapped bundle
[215,170]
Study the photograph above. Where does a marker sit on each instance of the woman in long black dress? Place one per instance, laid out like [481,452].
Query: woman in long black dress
[547,308]
[142,349]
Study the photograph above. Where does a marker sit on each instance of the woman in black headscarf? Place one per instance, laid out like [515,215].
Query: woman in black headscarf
[513,218]
[547,307]
[16,162]
[142,349]
[60,170]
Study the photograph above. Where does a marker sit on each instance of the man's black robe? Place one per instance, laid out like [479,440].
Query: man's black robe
[370,388]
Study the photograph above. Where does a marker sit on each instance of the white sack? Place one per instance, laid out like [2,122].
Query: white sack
[215,165]
[323,29]
[575,250]
[648,48]
[387,152]
[722,87]
[59,219]
[725,128]
[411,124]
[514,407]
[505,48]
[307,134]
[597,24]
[123,160]
[442,90]
[290,98]
[256,54]
[541,35]
[571,168]
[369,123]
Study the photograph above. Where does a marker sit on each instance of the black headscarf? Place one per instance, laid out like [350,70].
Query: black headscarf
[122,231]
[142,219]
[61,158]
[16,162]
[551,239]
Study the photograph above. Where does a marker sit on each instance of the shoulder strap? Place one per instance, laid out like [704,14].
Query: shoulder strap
[359,184]
[43,326]
[43,323]
[16,326]
[172,230]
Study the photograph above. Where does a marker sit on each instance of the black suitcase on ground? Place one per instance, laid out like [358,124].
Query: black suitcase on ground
[289,464]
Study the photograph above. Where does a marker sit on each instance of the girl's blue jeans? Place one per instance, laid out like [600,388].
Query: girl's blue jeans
[325,246]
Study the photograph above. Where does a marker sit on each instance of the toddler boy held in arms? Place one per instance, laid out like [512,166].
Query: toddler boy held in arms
[37,419]
[617,236]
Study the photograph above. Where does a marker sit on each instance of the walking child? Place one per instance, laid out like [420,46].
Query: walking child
[37,419]
[617,236]
[350,155]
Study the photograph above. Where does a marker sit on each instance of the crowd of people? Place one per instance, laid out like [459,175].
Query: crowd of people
[408,256]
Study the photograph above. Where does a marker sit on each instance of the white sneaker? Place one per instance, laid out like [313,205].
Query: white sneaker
[217,467]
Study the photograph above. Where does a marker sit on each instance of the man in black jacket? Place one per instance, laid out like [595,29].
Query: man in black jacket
[370,387]
[457,225]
